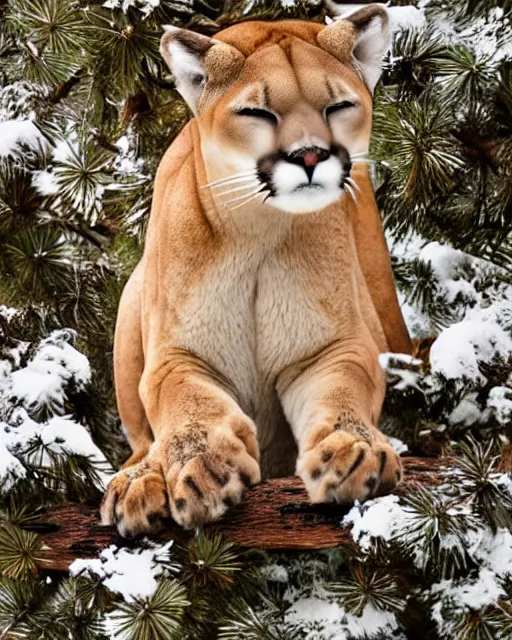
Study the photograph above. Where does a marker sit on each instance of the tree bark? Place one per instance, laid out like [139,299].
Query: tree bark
[276,514]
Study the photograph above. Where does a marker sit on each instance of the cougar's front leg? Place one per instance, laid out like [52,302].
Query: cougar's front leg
[204,456]
[333,406]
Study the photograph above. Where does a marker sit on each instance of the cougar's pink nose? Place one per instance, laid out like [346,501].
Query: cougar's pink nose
[310,159]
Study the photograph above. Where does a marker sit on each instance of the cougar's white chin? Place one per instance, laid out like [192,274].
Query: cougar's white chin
[305,200]
[296,193]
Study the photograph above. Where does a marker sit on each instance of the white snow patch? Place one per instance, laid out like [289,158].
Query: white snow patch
[455,598]
[47,374]
[17,100]
[418,324]
[13,133]
[485,36]
[492,550]
[146,6]
[406,248]
[459,348]
[275,573]
[500,403]
[123,143]
[376,518]
[481,593]
[458,278]
[58,436]
[45,183]
[65,435]
[371,621]
[402,370]
[130,572]
[11,468]
[406,17]
[44,382]
[386,519]
[127,163]
[399,446]
[65,149]
[497,309]
[322,619]
[8,312]
[315,610]
[446,262]
[468,412]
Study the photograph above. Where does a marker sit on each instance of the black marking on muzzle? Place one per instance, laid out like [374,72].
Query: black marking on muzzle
[265,169]
[266,165]
[343,156]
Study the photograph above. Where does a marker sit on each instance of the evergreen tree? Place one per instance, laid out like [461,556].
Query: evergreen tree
[87,109]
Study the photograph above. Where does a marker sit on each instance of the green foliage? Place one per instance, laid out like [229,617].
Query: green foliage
[368,586]
[494,623]
[20,552]
[438,528]
[424,159]
[128,53]
[54,24]
[37,610]
[154,618]
[79,177]
[481,487]
[72,223]
[217,575]
[75,610]
[19,602]
[213,561]
[441,119]
[41,261]
[246,624]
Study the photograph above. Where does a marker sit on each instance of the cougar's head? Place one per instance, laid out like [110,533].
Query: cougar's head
[284,109]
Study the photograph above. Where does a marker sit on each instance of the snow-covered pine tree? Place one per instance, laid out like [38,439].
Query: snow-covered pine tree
[86,110]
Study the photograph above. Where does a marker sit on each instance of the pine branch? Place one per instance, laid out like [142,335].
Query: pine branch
[276,514]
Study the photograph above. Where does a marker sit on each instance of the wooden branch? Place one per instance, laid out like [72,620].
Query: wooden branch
[275,514]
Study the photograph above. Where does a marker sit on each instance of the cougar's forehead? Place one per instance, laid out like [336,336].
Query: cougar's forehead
[296,80]
[268,71]
[322,78]
[300,71]
[249,37]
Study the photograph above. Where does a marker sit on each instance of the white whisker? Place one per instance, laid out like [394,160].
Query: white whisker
[250,185]
[241,204]
[247,195]
[353,183]
[350,191]
[227,183]
[229,178]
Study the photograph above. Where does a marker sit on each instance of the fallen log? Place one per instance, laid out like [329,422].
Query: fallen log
[276,514]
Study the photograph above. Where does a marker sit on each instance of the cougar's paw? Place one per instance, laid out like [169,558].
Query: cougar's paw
[136,500]
[214,475]
[344,468]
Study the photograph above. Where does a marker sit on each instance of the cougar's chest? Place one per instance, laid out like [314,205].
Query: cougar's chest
[250,319]
[290,323]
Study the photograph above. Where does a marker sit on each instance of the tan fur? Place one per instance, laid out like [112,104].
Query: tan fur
[247,336]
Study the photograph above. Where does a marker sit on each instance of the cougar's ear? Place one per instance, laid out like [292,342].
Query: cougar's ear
[363,35]
[195,60]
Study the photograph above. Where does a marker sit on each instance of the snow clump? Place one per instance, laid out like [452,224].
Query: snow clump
[130,572]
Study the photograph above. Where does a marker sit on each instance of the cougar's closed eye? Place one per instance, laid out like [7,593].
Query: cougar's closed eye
[340,106]
[254,112]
